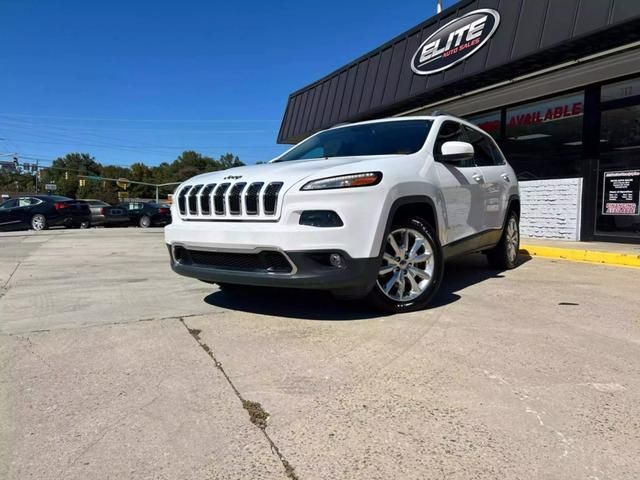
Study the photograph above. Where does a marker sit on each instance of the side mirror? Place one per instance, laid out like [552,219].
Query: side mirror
[456,152]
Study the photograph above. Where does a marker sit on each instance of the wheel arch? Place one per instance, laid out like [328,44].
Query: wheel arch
[413,205]
[512,206]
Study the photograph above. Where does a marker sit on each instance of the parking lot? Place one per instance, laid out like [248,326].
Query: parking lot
[114,367]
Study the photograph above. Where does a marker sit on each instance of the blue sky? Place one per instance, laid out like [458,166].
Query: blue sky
[143,80]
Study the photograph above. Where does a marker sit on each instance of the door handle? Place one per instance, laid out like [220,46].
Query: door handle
[477,177]
[506,177]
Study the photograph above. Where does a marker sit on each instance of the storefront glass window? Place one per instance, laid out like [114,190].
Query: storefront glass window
[620,90]
[544,139]
[618,209]
[489,122]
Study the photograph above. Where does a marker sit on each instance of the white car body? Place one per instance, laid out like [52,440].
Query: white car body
[467,205]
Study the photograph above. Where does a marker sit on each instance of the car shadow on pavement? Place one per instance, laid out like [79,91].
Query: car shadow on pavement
[319,305]
[463,272]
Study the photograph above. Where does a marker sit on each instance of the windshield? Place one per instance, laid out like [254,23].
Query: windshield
[382,138]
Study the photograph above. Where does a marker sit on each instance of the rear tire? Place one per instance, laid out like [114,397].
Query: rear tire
[504,256]
[411,270]
[145,222]
[39,222]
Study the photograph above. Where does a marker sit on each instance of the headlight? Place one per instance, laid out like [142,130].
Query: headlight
[345,181]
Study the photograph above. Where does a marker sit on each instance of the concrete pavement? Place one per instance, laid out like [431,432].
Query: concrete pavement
[113,367]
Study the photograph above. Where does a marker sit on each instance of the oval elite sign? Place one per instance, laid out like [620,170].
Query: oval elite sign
[457,40]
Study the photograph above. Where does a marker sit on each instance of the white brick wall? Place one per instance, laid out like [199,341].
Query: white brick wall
[551,208]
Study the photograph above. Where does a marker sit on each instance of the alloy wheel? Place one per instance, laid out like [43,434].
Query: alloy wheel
[38,222]
[408,265]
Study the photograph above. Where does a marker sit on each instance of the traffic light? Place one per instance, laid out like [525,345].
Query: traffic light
[83,182]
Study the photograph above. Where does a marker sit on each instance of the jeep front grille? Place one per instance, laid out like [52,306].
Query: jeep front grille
[219,197]
[270,198]
[218,201]
[234,198]
[205,199]
[251,198]
[193,204]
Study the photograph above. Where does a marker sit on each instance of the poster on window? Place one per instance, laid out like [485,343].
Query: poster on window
[621,193]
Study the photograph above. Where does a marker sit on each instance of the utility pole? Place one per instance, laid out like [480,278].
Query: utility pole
[439,6]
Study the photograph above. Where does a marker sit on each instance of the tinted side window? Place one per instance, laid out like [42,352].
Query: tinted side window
[498,156]
[9,204]
[27,201]
[482,146]
[449,132]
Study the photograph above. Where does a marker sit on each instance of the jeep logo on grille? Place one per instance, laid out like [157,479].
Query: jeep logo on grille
[454,42]
[233,177]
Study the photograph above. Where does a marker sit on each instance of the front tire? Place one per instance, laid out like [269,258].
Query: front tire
[38,222]
[411,270]
[504,256]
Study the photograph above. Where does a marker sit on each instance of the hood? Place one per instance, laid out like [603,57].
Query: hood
[286,172]
[255,192]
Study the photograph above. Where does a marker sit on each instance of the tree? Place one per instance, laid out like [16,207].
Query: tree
[229,160]
[64,172]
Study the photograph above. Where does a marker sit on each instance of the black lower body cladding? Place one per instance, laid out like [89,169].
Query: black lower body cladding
[353,278]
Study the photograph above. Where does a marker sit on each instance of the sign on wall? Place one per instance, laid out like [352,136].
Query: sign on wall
[457,40]
[621,193]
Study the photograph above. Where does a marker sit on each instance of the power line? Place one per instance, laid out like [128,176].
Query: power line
[101,128]
[140,120]
[136,147]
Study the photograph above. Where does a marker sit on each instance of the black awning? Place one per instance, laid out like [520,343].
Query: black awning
[530,36]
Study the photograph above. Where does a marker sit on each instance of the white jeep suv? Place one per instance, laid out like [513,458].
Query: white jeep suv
[370,209]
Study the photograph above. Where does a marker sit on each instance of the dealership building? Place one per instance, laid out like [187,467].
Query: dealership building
[555,82]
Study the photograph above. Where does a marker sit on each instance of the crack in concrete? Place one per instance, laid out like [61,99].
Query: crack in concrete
[257,415]
[107,429]
[30,349]
[15,269]
[109,324]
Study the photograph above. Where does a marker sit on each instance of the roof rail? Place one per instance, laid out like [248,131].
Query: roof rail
[439,113]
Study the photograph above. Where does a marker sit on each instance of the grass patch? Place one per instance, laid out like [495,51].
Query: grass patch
[257,414]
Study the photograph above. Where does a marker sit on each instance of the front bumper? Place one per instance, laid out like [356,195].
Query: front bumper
[362,211]
[310,270]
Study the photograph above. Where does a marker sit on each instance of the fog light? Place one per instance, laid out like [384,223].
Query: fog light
[336,260]
[320,218]
[178,254]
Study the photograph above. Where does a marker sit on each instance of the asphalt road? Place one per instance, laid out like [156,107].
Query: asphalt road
[112,367]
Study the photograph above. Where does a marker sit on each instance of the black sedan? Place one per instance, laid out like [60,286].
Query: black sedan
[147,214]
[104,214]
[40,212]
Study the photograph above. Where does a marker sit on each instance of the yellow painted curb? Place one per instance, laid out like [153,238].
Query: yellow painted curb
[591,256]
